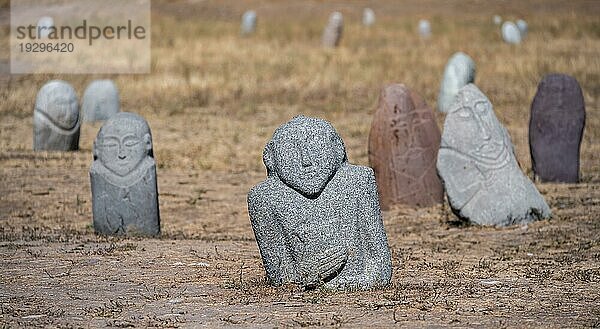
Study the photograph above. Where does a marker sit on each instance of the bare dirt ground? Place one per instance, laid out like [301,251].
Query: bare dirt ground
[213,100]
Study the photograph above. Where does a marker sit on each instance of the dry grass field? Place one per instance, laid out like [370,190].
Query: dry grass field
[213,99]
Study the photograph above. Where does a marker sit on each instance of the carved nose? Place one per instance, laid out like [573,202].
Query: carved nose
[484,129]
[306,159]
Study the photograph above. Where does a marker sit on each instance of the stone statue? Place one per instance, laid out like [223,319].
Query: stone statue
[248,25]
[123,178]
[316,217]
[100,101]
[56,118]
[459,72]
[523,27]
[368,18]
[478,168]
[424,29]
[333,31]
[403,146]
[556,128]
[511,33]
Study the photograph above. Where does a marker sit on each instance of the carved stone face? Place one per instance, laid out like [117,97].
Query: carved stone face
[123,142]
[58,101]
[476,130]
[305,153]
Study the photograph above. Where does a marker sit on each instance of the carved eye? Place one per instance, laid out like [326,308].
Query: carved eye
[110,145]
[464,112]
[131,142]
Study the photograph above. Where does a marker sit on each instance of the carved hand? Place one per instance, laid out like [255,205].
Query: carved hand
[322,266]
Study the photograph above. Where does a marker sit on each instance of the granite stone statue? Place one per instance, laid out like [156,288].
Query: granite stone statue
[459,72]
[424,28]
[56,118]
[100,101]
[511,33]
[333,31]
[123,178]
[523,27]
[556,128]
[478,168]
[316,217]
[248,22]
[403,146]
[368,18]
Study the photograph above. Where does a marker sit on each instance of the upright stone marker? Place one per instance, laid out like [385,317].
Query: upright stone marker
[368,17]
[316,217]
[44,24]
[333,31]
[123,178]
[403,146]
[511,33]
[497,19]
[100,101]
[459,72]
[478,168]
[424,28]
[523,28]
[556,128]
[248,22]
[56,118]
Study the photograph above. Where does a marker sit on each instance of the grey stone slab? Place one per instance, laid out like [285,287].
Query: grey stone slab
[459,72]
[123,178]
[368,18]
[511,33]
[100,101]
[333,31]
[478,168]
[316,217]
[248,25]
[556,129]
[56,118]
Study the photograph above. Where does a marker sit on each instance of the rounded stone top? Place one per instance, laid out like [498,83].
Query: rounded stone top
[511,33]
[558,82]
[305,153]
[336,18]
[100,100]
[424,28]
[57,100]
[45,21]
[123,142]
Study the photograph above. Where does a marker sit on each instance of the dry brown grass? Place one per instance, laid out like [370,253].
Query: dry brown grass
[213,100]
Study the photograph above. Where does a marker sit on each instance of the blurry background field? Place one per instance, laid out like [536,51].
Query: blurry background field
[214,98]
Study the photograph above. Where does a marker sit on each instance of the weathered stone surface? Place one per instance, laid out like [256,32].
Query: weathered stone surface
[100,101]
[333,31]
[368,18]
[459,72]
[556,128]
[44,24]
[123,178]
[403,146]
[424,28]
[478,168]
[511,33]
[497,19]
[523,27]
[316,217]
[248,22]
[56,118]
